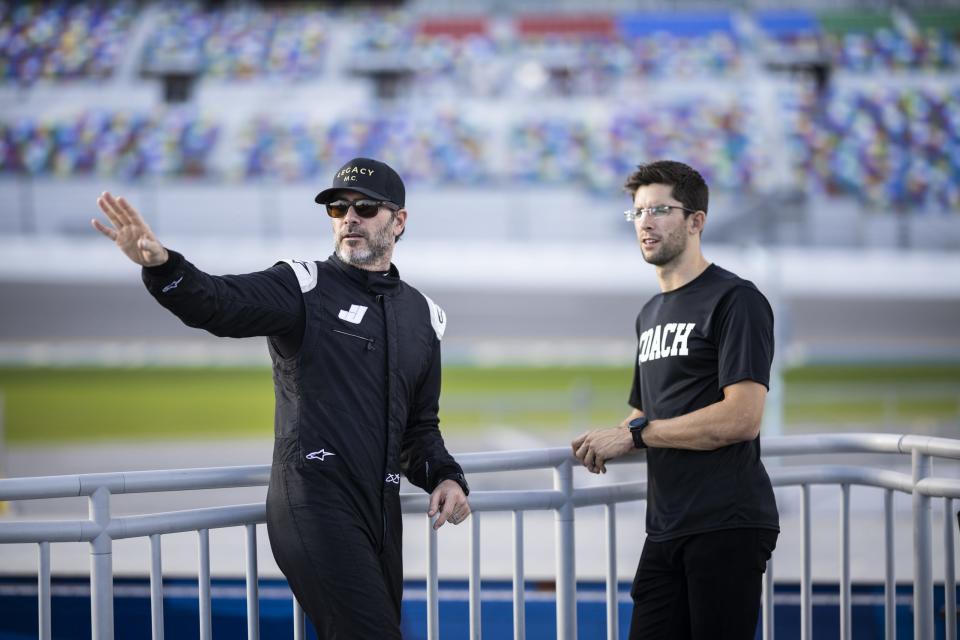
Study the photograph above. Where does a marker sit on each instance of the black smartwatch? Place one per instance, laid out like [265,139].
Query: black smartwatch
[637,425]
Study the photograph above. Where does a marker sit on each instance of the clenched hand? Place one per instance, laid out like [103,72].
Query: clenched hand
[129,231]
[594,448]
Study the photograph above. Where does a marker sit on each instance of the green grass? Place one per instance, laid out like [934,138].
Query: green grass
[96,404]
[87,404]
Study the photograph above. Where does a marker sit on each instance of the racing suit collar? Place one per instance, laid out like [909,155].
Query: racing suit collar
[373,281]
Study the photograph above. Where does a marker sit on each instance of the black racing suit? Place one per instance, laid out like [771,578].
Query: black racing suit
[356,369]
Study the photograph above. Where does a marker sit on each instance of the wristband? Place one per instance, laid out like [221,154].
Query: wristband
[637,425]
[460,480]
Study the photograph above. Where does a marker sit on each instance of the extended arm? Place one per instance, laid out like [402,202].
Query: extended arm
[735,418]
[266,303]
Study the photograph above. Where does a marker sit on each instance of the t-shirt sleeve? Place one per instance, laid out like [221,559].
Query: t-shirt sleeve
[744,337]
[635,400]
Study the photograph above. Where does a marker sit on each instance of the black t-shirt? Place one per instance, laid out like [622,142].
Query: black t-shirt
[712,332]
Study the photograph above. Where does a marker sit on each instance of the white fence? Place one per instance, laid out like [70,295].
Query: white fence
[100,529]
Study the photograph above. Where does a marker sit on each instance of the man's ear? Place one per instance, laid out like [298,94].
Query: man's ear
[697,221]
[400,221]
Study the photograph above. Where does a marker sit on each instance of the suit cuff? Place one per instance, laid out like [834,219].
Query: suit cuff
[452,473]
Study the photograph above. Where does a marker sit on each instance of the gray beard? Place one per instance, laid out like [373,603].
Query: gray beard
[378,247]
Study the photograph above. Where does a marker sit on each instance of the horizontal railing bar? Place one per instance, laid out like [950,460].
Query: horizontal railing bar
[609,494]
[258,475]
[134,482]
[53,531]
[491,500]
[40,487]
[513,460]
[939,487]
[832,443]
[238,515]
[207,478]
[839,474]
[189,520]
[931,446]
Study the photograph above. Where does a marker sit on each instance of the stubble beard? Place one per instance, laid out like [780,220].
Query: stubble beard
[378,245]
[671,246]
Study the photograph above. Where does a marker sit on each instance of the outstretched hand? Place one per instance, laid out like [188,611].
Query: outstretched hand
[449,500]
[129,231]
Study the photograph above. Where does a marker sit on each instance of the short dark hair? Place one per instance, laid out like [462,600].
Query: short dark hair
[688,185]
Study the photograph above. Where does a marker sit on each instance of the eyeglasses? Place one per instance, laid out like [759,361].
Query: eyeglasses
[657,211]
[364,208]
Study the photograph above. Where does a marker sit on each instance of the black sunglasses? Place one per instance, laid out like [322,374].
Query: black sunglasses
[364,208]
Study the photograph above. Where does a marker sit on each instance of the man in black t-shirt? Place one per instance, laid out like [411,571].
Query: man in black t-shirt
[705,345]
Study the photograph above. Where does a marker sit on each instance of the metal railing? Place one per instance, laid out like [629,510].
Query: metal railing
[101,529]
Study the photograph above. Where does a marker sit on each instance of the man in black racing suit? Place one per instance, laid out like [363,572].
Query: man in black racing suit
[356,369]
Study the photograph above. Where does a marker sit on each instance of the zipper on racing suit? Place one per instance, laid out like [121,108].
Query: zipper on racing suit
[370,341]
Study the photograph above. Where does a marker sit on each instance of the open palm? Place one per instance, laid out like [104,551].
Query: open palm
[129,231]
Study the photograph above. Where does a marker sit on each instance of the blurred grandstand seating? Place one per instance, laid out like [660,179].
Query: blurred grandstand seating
[238,42]
[61,40]
[167,142]
[573,99]
[866,41]
[440,148]
[890,147]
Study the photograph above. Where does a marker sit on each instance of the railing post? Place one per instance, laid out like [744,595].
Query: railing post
[299,626]
[566,578]
[203,582]
[613,623]
[922,553]
[806,563]
[889,580]
[475,602]
[156,588]
[101,567]
[43,591]
[768,601]
[846,624]
[433,595]
[253,590]
[519,608]
[949,574]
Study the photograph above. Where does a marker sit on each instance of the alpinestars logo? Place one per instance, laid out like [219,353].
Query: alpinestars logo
[393,478]
[355,315]
[320,455]
[304,265]
[173,285]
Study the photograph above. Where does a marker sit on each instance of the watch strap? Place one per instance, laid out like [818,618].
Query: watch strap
[637,425]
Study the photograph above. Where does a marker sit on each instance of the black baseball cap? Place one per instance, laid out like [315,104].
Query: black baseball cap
[369,177]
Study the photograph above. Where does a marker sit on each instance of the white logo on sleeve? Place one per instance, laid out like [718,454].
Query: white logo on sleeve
[656,343]
[173,285]
[355,315]
[320,455]
[306,273]
[438,319]
[393,478]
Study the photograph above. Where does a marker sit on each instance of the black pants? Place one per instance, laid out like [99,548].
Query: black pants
[699,587]
[341,555]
